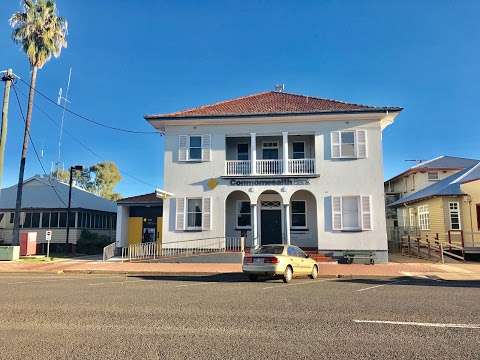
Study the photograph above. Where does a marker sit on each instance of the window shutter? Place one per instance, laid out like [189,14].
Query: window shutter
[361,140]
[366,207]
[182,147]
[337,213]
[335,144]
[206,145]
[206,213]
[180,214]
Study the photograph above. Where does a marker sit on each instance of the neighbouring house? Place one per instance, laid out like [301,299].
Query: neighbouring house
[275,167]
[418,177]
[447,210]
[44,207]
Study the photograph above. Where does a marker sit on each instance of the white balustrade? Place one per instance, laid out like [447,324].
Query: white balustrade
[238,167]
[301,166]
[269,167]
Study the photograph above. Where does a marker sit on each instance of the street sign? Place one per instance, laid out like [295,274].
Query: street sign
[48,235]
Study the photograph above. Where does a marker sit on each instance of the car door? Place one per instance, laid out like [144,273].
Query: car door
[293,259]
[304,263]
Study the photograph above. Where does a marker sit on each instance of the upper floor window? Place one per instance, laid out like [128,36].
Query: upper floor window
[270,150]
[454,211]
[298,150]
[432,176]
[242,152]
[195,148]
[349,144]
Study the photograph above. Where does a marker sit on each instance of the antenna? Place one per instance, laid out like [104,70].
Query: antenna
[279,87]
[65,101]
[416,161]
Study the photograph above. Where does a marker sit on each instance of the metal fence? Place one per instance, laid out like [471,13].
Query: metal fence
[109,251]
[154,250]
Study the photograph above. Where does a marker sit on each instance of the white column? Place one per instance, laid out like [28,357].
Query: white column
[285,152]
[253,151]
[255,226]
[122,226]
[287,222]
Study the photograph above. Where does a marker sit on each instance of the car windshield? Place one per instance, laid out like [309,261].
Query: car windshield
[276,250]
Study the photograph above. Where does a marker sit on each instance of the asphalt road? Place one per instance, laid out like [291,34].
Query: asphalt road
[221,317]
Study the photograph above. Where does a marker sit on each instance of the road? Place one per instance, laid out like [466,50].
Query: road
[224,316]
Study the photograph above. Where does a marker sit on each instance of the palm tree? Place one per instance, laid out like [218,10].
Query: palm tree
[42,34]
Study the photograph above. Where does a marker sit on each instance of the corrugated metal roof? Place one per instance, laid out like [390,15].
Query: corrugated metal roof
[150,198]
[38,193]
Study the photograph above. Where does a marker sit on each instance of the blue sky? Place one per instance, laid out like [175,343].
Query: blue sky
[132,58]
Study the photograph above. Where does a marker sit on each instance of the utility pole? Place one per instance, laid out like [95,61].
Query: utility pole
[7,77]
[70,184]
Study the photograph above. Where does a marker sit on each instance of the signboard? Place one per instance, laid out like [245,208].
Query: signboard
[269,182]
[48,235]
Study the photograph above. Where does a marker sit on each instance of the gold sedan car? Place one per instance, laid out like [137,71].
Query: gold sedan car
[276,260]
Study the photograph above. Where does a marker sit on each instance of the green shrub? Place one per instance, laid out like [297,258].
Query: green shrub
[91,243]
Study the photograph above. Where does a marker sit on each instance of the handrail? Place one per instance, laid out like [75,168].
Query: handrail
[109,251]
[409,245]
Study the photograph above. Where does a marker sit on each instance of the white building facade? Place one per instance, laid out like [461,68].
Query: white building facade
[277,168]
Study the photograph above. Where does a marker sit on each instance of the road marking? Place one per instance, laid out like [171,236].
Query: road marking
[126,281]
[295,284]
[377,286]
[409,274]
[440,325]
[196,284]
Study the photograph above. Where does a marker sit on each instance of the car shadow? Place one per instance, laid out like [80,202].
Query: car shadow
[405,280]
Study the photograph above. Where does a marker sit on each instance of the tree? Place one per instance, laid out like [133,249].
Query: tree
[42,34]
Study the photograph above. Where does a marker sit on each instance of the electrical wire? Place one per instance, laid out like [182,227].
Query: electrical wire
[86,118]
[83,145]
[34,147]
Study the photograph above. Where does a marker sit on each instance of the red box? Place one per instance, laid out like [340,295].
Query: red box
[28,243]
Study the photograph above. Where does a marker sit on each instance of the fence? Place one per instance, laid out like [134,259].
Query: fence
[427,248]
[109,251]
[154,250]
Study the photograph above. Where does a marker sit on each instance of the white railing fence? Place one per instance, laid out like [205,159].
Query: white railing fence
[301,166]
[238,167]
[269,167]
[109,251]
[154,250]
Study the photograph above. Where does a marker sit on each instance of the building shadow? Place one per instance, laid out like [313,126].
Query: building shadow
[409,281]
[216,278]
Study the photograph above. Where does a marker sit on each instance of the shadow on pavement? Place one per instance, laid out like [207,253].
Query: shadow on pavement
[225,278]
[404,280]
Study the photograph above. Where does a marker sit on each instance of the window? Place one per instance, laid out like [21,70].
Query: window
[194,213]
[477,207]
[454,211]
[270,150]
[298,150]
[54,219]
[62,220]
[349,144]
[432,176]
[71,219]
[299,214]
[423,217]
[35,220]
[242,152]
[350,213]
[27,220]
[46,220]
[12,217]
[411,215]
[195,148]
[244,218]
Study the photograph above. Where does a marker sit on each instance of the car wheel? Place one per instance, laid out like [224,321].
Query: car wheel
[314,273]
[288,274]
[252,277]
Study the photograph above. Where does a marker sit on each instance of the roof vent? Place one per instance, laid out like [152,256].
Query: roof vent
[280,87]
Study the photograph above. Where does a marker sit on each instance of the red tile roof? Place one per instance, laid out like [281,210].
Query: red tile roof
[271,102]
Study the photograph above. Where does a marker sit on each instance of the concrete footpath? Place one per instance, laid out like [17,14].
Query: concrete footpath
[457,271]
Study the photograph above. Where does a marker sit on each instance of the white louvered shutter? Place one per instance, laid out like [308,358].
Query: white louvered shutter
[206,213]
[206,148]
[335,144]
[337,221]
[366,207]
[361,140]
[182,147]
[180,214]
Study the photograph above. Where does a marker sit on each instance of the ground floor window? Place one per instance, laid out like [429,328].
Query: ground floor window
[454,211]
[350,213]
[411,215]
[194,213]
[423,217]
[244,218]
[299,214]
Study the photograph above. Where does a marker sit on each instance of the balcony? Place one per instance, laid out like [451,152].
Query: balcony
[270,167]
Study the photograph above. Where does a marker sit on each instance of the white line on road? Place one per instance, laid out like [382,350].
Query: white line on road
[377,286]
[118,282]
[196,284]
[441,325]
[294,284]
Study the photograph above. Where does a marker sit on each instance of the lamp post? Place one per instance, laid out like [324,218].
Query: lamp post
[72,169]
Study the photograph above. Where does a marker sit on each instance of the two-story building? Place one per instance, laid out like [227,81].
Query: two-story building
[277,168]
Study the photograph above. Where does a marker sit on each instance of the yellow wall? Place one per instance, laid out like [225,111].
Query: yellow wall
[135,227]
[469,212]
[159,229]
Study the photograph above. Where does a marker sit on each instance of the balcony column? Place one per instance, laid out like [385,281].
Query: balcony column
[285,152]
[253,152]
[255,226]
[287,223]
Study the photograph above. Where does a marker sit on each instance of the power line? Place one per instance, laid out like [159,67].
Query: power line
[88,119]
[34,147]
[83,145]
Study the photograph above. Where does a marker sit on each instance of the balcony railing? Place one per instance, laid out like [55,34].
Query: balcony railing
[270,167]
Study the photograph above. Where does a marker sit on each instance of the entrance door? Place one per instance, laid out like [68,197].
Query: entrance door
[271,221]
[149,230]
